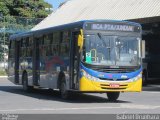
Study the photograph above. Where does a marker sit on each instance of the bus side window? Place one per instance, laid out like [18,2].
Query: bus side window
[56,37]
[30,43]
[23,48]
[11,49]
[64,48]
[48,39]
[27,47]
[55,43]
[55,49]
[66,37]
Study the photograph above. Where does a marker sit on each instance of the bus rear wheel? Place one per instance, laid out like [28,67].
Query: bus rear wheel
[63,89]
[113,96]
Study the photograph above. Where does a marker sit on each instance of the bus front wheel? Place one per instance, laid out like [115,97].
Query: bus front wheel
[113,96]
[63,89]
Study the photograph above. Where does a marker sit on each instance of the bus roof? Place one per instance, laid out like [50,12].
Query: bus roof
[79,24]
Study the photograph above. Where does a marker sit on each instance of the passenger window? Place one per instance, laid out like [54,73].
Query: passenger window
[55,49]
[64,46]
[66,37]
[56,37]
[11,50]
[30,41]
[47,39]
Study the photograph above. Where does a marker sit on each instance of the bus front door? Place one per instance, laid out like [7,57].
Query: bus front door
[74,63]
[36,62]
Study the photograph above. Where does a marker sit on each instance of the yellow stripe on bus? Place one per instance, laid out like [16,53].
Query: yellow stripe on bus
[87,85]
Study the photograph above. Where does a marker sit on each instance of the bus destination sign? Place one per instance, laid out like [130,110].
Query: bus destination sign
[112,27]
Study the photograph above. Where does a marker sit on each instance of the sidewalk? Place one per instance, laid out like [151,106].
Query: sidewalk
[3,76]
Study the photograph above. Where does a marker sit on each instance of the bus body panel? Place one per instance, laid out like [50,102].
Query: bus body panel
[54,64]
[92,80]
[87,85]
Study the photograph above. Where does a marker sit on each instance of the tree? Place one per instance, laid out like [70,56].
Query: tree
[25,8]
[19,16]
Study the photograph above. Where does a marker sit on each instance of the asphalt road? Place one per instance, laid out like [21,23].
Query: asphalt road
[14,100]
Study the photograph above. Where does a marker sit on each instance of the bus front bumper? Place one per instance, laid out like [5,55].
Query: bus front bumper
[87,85]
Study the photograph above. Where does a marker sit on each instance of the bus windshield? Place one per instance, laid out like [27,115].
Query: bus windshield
[111,50]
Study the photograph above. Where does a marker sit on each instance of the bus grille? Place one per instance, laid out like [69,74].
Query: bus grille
[114,80]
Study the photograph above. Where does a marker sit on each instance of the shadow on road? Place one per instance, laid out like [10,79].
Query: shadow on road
[46,94]
[152,87]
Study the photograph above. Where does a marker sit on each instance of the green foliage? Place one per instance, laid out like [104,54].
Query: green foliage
[19,16]
[25,8]
[3,8]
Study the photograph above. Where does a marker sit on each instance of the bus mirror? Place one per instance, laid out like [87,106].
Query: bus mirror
[143,49]
[80,40]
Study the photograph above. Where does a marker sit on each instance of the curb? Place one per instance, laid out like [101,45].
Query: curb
[3,76]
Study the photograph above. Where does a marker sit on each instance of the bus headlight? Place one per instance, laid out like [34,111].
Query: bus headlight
[137,77]
[88,76]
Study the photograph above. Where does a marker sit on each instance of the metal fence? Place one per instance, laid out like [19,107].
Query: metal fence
[11,25]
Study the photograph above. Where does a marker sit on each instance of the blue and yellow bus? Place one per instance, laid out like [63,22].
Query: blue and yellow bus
[96,56]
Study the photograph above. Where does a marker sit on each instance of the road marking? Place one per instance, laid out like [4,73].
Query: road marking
[84,108]
[154,92]
[134,106]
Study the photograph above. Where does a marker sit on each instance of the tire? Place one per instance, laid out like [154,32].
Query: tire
[63,91]
[144,79]
[113,96]
[25,83]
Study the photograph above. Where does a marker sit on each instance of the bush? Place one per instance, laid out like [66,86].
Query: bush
[2,72]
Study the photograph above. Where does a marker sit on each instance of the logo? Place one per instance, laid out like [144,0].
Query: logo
[124,77]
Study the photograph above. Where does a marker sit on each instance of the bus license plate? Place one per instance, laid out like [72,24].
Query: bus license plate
[112,85]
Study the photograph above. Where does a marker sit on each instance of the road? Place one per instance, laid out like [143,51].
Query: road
[14,100]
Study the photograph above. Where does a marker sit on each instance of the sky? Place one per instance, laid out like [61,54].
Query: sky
[55,3]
